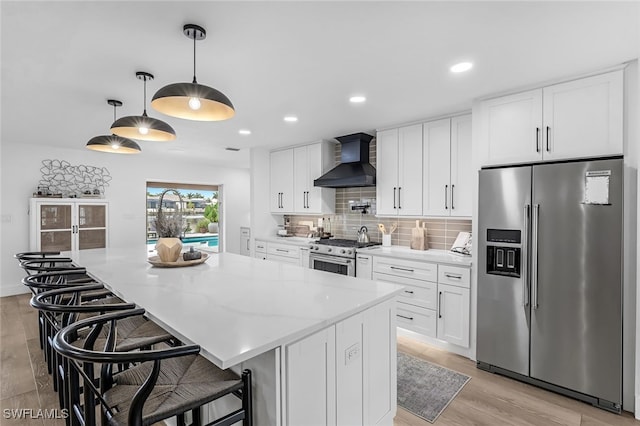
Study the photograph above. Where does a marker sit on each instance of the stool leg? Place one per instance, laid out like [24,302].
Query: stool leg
[196,419]
[247,399]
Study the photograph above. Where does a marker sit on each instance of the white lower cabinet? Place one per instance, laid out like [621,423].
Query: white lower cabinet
[344,374]
[364,266]
[260,251]
[435,300]
[453,314]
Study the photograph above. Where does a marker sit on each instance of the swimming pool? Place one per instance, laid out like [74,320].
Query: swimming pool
[211,241]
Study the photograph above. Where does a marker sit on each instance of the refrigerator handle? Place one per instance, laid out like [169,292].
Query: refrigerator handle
[525,257]
[534,257]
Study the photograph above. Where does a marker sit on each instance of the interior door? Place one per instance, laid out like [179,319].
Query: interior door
[576,328]
[503,310]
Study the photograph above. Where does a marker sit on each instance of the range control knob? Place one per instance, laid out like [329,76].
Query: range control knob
[348,251]
[342,251]
[317,248]
[329,250]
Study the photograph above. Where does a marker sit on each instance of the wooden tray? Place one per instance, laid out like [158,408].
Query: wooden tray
[155,261]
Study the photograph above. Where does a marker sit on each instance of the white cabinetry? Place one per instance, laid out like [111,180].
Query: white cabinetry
[577,119]
[364,266]
[304,256]
[435,300]
[260,251]
[292,173]
[344,374]
[286,253]
[310,380]
[309,163]
[447,186]
[281,181]
[399,171]
[68,224]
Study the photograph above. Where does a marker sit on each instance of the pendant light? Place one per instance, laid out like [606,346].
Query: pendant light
[193,101]
[143,127]
[113,143]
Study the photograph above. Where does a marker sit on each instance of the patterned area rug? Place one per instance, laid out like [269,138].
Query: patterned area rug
[425,389]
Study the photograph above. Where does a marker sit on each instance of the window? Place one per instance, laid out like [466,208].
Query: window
[197,203]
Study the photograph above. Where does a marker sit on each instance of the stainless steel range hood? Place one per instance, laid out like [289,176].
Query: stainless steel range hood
[354,169]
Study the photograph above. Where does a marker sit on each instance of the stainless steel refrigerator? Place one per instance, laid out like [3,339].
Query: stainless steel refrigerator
[550,277]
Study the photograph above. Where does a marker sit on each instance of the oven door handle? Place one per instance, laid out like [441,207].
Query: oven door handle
[332,259]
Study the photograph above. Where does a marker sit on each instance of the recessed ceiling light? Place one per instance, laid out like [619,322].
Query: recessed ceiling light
[461,67]
[357,99]
[244,131]
[290,118]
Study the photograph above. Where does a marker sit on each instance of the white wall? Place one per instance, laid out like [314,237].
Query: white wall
[126,195]
[263,223]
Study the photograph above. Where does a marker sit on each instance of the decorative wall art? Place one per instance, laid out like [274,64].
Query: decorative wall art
[61,179]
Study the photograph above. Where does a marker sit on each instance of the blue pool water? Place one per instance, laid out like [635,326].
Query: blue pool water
[211,241]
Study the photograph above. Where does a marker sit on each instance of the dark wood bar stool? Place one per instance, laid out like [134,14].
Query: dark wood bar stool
[165,383]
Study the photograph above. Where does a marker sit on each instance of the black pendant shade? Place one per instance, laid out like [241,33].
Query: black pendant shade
[113,143]
[193,101]
[143,127]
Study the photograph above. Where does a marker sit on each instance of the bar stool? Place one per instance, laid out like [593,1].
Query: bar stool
[63,306]
[165,383]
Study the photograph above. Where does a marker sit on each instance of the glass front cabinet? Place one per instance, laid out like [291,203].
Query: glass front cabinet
[68,224]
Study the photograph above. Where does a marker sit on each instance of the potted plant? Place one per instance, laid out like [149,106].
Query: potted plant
[203,225]
[211,213]
[169,227]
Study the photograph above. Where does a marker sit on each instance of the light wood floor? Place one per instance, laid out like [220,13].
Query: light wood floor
[487,399]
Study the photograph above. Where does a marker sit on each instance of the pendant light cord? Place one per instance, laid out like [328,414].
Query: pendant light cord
[144,106]
[194,58]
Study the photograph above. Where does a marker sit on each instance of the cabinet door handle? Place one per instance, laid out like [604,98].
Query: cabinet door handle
[399,188]
[408,291]
[282,200]
[402,316]
[440,304]
[401,269]
[548,139]
[446,191]
[537,139]
[457,277]
[452,186]
[307,199]
[394,197]
[248,245]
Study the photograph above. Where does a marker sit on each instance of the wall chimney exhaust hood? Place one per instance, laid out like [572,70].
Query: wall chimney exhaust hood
[354,169]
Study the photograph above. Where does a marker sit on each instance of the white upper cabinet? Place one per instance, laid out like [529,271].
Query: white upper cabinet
[437,160]
[309,163]
[447,171]
[576,119]
[399,171]
[513,126]
[461,170]
[583,118]
[292,173]
[281,181]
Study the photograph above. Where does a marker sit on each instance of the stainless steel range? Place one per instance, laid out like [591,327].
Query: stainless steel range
[335,255]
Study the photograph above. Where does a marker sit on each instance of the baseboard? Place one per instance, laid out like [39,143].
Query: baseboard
[440,344]
[637,412]
[12,290]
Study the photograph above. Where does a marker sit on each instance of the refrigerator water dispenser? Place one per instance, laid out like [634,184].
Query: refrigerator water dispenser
[503,258]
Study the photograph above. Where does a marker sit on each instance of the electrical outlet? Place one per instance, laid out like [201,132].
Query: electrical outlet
[351,353]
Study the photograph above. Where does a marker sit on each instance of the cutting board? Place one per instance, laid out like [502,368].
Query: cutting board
[419,237]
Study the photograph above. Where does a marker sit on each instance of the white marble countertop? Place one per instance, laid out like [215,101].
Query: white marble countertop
[296,241]
[402,252]
[235,307]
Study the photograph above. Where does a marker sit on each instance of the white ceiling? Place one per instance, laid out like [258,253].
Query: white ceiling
[61,61]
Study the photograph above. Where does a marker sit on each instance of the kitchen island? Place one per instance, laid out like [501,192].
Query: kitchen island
[321,346]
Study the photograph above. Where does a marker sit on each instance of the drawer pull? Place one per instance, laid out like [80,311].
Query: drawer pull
[402,316]
[457,277]
[408,291]
[363,257]
[282,250]
[401,269]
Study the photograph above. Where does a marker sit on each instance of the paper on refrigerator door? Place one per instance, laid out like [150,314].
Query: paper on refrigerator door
[596,187]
